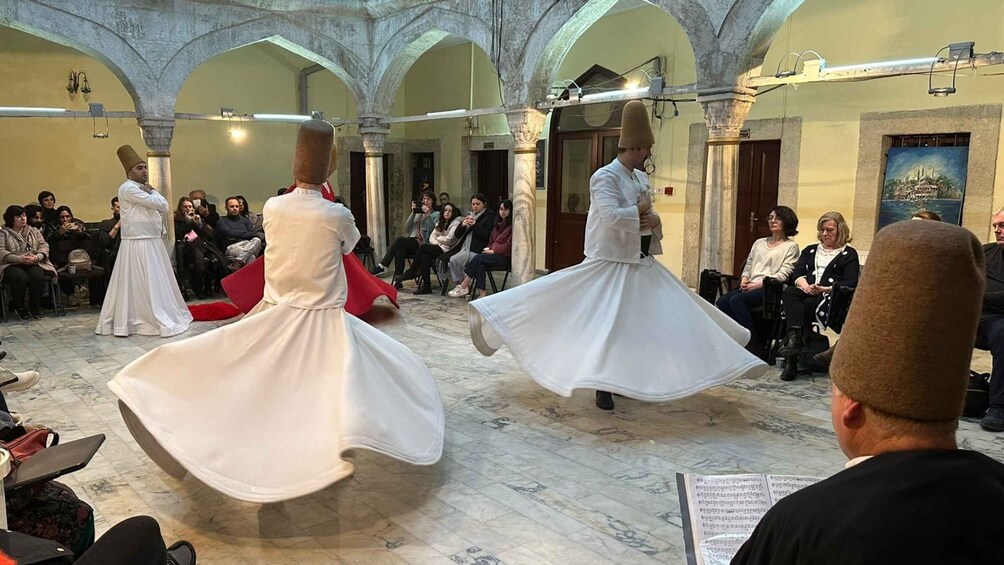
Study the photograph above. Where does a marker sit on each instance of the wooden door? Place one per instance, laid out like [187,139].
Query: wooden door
[493,176]
[759,166]
[357,191]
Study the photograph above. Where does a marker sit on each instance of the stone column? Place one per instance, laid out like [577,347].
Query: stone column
[157,134]
[725,113]
[374,133]
[525,126]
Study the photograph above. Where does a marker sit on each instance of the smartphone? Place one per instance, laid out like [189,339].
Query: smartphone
[197,202]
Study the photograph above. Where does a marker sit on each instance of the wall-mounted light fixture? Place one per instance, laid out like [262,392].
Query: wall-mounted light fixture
[77,81]
[779,73]
[956,51]
[237,134]
[98,111]
[558,88]
[445,113]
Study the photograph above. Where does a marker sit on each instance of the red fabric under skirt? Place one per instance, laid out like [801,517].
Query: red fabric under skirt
[246,286]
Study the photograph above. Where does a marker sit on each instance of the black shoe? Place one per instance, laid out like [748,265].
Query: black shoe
[426,289]
[398,284]
[23,314]
[793,344]
[824,358]
[790,370]
[181,553]
[377,270]
[994,420]
[604,400]
[407,275]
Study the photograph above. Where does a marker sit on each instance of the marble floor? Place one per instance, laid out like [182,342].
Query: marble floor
[527,477]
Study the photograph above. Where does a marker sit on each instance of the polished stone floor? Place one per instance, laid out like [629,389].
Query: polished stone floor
[527,477]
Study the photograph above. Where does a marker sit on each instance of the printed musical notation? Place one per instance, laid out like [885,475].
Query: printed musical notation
[721,511]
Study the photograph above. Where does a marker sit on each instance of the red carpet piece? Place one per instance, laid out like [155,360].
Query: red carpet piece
[246,286]
[212,311]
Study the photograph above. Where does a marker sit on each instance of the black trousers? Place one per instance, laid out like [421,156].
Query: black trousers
[990,336]
[425,257]
[22,278]
[478,264]
[799,307]
[401,249]
[134,541]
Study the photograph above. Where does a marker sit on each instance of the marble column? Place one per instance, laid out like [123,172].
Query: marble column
[157,134]
[525,126]
[374,134]
[725,113]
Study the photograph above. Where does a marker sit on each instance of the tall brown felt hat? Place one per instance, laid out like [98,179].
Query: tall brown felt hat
[334,160]
[908,340]
[313,151]
[636,129]
[129,157]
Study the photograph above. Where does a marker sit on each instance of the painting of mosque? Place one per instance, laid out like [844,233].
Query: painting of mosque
[924,178]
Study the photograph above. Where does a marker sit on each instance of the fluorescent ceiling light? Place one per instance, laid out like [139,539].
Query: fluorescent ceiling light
[280,117]
[882,64]
[35,110]
[615,93]
[446,112]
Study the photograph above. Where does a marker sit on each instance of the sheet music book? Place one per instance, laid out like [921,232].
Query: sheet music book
[720,511]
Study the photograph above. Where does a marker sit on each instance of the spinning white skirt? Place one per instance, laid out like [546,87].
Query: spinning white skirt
[262,409]
[632,329]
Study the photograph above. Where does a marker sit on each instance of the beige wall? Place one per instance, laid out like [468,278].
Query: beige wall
[61,155]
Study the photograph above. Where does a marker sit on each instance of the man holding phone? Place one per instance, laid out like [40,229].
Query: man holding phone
[420,224]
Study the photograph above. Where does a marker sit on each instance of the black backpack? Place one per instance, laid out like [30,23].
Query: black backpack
[977,395]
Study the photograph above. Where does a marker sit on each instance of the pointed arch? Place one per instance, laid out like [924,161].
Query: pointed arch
[410,42]
[321,49]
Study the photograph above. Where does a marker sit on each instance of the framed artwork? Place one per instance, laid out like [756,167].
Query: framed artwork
[541,156]
[924,178]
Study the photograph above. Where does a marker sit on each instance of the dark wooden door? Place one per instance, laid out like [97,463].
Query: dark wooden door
[357,190]
[759,165]
[574,158]
[493,176]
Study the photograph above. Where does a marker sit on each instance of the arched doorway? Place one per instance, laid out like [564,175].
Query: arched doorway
[583,139]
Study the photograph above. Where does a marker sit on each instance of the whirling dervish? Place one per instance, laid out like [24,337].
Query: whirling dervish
[337,382]
[619,322]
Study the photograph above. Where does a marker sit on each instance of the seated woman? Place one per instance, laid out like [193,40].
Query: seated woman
[498,254]
[770,257]
[442,238]
[68,234]
[194,238]
[820,267]
[420,223]
[24,259]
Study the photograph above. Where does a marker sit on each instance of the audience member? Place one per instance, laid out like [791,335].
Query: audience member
[194,239]
[47,201]
[907,494]
[820,267]
[237,236]
[36,219]
[444,199]
[472,236]
[990,333]
[420,224]
[497,254]
[203,207]
[256,219]
[770,257]
[109,234]
[926,215]
[441,240]
[24,258]
[137,541]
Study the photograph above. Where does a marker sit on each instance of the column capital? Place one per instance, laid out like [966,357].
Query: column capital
[725,112]
[525,126]
[157,134]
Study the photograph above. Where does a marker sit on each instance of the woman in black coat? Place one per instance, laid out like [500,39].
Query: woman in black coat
[819,269]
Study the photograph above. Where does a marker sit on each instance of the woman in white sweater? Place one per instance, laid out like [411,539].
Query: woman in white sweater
[441,240]
[771,257]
